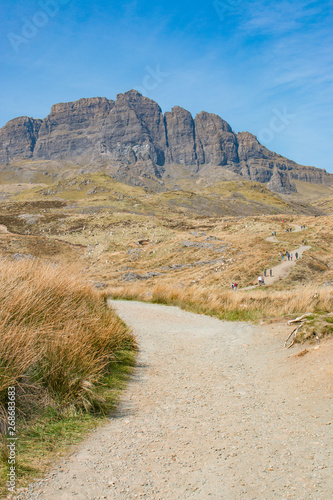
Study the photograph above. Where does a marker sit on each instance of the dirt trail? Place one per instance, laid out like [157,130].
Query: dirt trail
[283,269]
[214,410]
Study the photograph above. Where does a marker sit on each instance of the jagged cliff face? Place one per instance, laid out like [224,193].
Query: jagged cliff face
[18,138]
[72,129]
[132,136]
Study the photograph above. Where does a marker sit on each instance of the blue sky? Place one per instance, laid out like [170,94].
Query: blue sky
[264,66]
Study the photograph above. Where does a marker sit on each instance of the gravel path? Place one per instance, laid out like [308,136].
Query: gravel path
[282,270]
[214,410]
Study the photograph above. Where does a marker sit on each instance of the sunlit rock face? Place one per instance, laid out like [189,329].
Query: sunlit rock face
[133,137]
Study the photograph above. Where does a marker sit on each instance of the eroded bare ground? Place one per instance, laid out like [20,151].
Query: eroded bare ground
[215,410]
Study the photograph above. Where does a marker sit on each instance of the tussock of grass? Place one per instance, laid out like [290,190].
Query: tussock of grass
[57,330]
[317,325]
[60,346]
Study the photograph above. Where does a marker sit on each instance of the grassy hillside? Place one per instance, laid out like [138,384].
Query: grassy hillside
[325,204]
[102,224]
[224,198]
[315,191]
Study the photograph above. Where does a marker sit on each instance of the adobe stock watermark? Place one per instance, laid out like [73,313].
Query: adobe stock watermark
[32,25]
[152,79]
[11,440]
[225,7]
[277,124]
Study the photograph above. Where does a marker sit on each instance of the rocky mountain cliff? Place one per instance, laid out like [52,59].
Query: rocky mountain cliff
[134,141]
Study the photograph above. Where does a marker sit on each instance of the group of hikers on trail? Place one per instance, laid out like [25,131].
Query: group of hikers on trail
[288,255]
[261,279]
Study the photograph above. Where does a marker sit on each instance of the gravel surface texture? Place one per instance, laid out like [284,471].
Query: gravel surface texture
[214,410]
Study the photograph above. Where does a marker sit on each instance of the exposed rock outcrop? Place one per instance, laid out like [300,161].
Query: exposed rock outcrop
[72,129]
[18,139]
[134,130]
[250,148]
[181,137]
[215,139]
[132,138]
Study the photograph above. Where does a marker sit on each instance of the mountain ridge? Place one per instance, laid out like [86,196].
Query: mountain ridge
[135,142]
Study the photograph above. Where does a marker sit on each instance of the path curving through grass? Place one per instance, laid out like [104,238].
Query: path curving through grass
[214,410]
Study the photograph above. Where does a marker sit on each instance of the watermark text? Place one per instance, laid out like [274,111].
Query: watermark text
[33,24]
[277,124]
[11,440]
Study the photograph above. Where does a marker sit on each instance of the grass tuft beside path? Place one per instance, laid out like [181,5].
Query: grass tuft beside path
[67,355]
[249,305]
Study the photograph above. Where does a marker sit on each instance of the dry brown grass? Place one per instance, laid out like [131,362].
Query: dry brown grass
[246,254]
[58,338]
[250,305]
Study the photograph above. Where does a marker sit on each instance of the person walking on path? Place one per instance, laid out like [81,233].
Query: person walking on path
[281,270]
[296,255]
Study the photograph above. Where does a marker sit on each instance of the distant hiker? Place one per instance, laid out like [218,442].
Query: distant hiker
[235,286]
[288,256]
[296,255]
[282,256]
[274,233]
[232,286]
[265,272]
[260,280]
[271,272]
[291,256]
